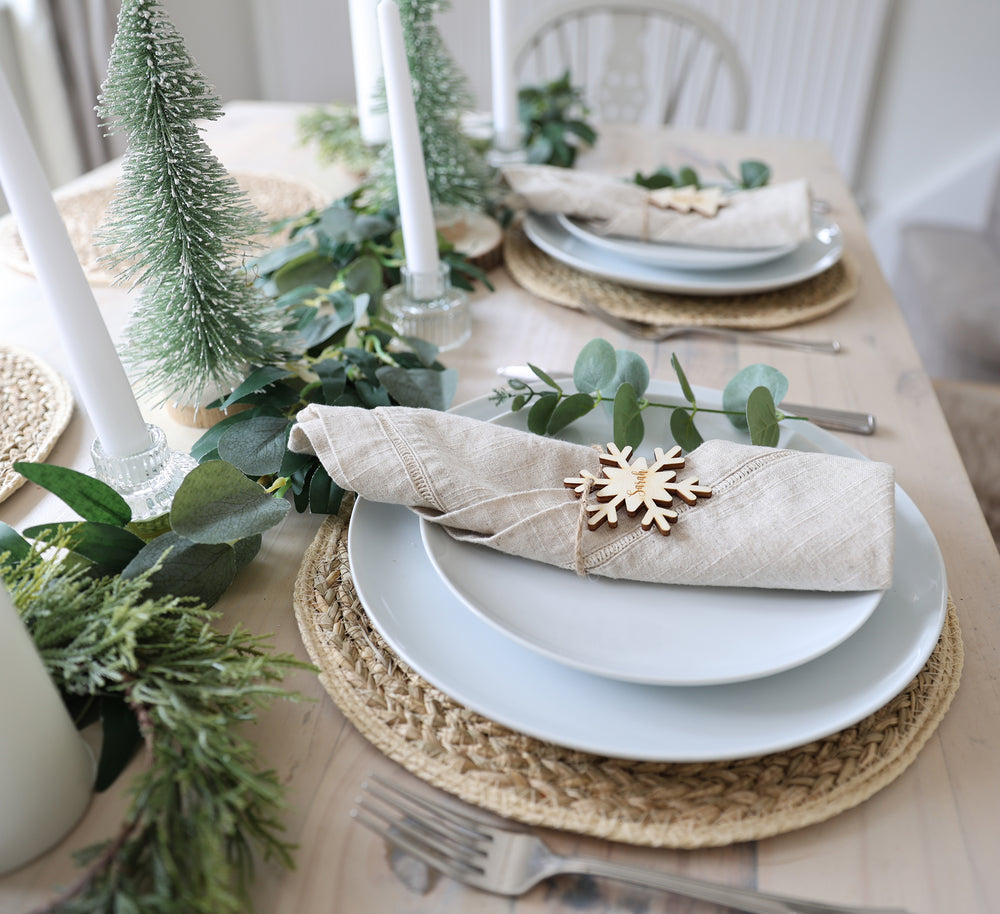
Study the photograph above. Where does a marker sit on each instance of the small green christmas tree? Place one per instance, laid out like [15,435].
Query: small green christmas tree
[179,223]
[457,175]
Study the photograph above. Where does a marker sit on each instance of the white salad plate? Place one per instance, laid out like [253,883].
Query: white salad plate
[808,259]
[673,256]
[481,667]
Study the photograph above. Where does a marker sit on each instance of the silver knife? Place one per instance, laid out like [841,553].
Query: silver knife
[838,420]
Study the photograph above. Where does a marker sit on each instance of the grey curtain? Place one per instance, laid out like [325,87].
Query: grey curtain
[84,31]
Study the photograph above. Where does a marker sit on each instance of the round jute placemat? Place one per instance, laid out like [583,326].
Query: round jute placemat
[83,211]
[652,803]
[35,407]
[556,282]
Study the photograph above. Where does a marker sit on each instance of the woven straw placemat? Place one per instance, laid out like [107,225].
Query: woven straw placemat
[652,803]
[35,407]
[83,211]
[547,278]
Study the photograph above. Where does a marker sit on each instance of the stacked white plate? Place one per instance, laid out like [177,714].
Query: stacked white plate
[685,269]
[646,671]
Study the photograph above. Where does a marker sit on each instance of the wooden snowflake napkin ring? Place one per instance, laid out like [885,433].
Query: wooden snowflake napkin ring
[705,200]
[636,486]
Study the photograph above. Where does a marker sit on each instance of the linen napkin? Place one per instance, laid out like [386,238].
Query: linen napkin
[775,518]
[769,216]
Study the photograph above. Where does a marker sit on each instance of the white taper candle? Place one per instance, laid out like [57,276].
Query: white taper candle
[46,769]
[415,210]
[97,371]
[506,129]
[367,71]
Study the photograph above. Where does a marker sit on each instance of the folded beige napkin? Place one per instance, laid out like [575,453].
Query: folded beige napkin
[776,518]
[769,216]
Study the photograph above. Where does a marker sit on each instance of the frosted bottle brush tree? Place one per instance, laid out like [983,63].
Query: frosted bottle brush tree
[457,175]
[179,224]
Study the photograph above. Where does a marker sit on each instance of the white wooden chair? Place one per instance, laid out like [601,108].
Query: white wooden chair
[648,61]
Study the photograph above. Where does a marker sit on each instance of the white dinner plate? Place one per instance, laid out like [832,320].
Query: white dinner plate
[468,659]
[637,631]
[673,256]
[808,259]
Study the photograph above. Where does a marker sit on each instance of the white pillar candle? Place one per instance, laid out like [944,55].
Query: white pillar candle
[100,379]
[46,769]
[367,71]
[506,128]
[415,211]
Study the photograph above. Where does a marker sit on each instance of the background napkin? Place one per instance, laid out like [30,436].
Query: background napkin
[776,518]
[769,216]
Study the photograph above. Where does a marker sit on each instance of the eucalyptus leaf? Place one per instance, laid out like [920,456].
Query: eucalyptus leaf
[630,368]
[540,413]
[179,567]
[371,394]
[742,384]
[544,376]
[754,174]
[120,738]
[420,387]
[595,366]
[363,275]
[209,442]
[258,379]
[687,177]
[568,410]
[324,494]
[312,269]
[92,499]
[683,429]
[762,418]
[256,447]
[628,424]
[108,545]
[276,259]
[246,550]
[682,380]
[333,377]
[12,545]
[216,503]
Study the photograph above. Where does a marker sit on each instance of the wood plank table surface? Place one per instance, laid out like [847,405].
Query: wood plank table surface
[929,842]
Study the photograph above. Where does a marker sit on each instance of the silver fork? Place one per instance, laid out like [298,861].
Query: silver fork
[657,334]
[506,861]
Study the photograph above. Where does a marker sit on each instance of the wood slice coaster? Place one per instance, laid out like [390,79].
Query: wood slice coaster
[83,211]
[36,405]
[556,282]
[685,805]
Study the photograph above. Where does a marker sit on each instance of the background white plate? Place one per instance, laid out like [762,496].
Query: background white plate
[640,632]
[673,256]
[820,253]
[476,665]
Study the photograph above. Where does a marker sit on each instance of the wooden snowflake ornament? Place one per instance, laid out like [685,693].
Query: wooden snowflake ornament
[636,486]
[703,200]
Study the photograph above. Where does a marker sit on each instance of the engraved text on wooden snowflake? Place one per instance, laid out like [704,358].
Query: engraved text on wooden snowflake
[636,486]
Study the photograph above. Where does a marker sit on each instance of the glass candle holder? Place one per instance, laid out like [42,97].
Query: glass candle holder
[507,149]
[426,305]
[147,480]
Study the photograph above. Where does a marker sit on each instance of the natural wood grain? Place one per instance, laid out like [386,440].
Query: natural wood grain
[928,842]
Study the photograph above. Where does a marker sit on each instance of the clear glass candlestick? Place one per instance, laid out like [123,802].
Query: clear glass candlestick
[507,149]
[426,305]
[147,480]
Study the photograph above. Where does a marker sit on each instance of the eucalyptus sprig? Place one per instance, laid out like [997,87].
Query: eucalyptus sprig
[602,374]
[203,809]
[753,174]
[553,118]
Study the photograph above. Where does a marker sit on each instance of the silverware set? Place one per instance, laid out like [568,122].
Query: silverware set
[509,861]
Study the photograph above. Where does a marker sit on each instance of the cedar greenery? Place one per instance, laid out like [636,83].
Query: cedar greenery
[203,806]
[179,223]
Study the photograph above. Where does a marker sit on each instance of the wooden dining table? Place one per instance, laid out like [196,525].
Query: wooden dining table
[928,842]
